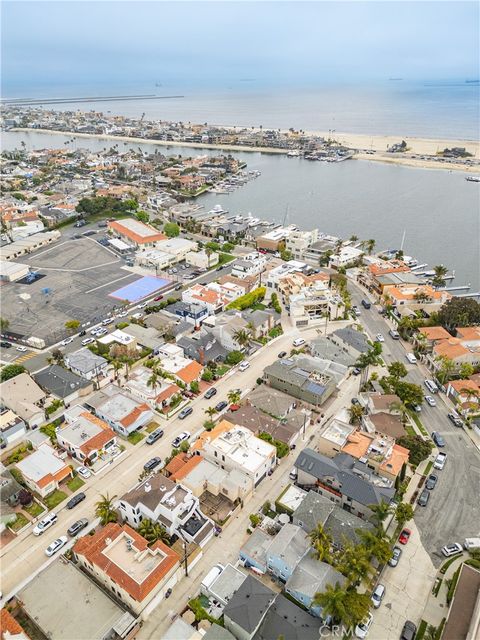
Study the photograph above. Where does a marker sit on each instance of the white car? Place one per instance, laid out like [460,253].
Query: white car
[93,332]
[431,401]
[379,338]
[185,435]
[22,349]
[123,314]
[143,305]
[363,627]
[84,472]
[451,549]
[44,524]
[107,321]
[411,358]
[56,546]
[66,341]
[101,332]
[440,461]
[87,341]
[244,365]
[298,342]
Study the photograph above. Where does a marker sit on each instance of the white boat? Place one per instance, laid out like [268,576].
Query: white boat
[293,154]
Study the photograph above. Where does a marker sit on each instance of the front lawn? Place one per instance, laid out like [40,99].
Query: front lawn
[19,522]
[151,427]
[419,424]
[75,483]
[221,370]
[55,498]
[34,509]
[136,437]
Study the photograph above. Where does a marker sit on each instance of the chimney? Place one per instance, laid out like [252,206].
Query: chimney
[201,354]
[148,487]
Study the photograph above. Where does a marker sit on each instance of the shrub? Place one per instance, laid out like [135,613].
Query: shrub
[10,371]
[194,387]
[255,519]
[249,299]
[234,357]
[207,375]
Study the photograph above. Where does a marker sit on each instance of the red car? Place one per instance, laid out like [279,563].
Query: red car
[404,536]
[158,298]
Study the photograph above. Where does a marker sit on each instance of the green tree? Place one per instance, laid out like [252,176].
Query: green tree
[255,519]
[105,510]
[354,562]
[446,368]
[243,337]
[380,513]
[171,229]
[142,216]
[234,357]
[194,386]
[233,396]
[459,312]
[117,366]
[153,380]
[465,370]
[403,513]
[355,411]
[438,279]
[376,544]
[321,543]
[4,324]
[56,357]
[207,375]
[397,370]
[72,325]
[184,446]
[333,602]
[210,411]
[419,449]
[152,531]
[10,371]
[409,393]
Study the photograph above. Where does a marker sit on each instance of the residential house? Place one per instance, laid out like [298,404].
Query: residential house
[246,284]
[22,395]
[202,260]
[408,299]
[465,393]
[463,622]
[135,233]
[286,550]
[12,427]
[247,608]
[294,282]
[260,322]
[254,552]
[353,342]
[339,524]
[10,491]
[62,383]
[298,242]
[334,437]
[10,629]
[86,364]
[120,410]
[344,480]
[308,379]
[43,470]
[347,256]
[146,337]
[172,505]
[310,577]
[464,349]
[194,314]
[284,618]
[224,585]
[231,447]
[157,396]
[285,430]
[378,452]
[430,336]
[276,272]
[315,305]
[203,347]
[177,248]
[225,328]
[382,273]
[84,436]
[252,264]
[272,401]
[273,240]
[323,347]
[122,561]
[173,361]
[382,422]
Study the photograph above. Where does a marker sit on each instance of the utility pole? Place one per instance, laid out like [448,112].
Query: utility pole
[185,556]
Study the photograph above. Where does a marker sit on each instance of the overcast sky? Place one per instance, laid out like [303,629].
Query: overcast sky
[216,42]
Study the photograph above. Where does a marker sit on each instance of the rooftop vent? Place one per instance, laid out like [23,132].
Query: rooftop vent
[148,487]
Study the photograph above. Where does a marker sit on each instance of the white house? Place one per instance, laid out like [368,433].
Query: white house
[120,410]
[201,260]
[86,364]
[43,470]
[253,264]
[346,256]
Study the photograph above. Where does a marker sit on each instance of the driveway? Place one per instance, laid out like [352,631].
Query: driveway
[407,587]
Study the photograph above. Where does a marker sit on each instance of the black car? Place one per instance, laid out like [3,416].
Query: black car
[5,344]
[77,527]
[355,401]
[76,500]
[221,405]
[409,631]
[356,371]
[424,498]
[151,464]
[282,354]
[82,333]
[431,482]
[366,304]
[154,436]
[438,439]
[210,393]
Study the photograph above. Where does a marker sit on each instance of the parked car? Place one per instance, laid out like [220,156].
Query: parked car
[44,524]
[431,386]
[184,413]
[411,358]
[396,553]
[154,436]
[356,371]
[209,393]
[298,342]
[377,595]
[438,439]
[107,321]
[79,497]
[404,536]
[5,344]
[431,401]
[221,405]
[366,304]
[394,334]
[84,472]
[431,482]
[451,549]
[66,341]
[176,442]
[440,461]
[21,349]
[151,464]
[362,628]
[87,341]
[244,365]
[379,338]
[168,593]
[356,311]
[77,526]
[355,401]
[158,298]
[455,419]
[80,223]
[409,631]
[423,498]
[101,332]
[417,408]
[282,354]
[56,546]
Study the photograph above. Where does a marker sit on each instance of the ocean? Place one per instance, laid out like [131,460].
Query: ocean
[448,109]
[437,209]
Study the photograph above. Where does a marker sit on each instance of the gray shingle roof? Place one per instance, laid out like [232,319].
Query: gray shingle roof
[249,604]
[311,576]
[354,338]
[59,381]
[84,360]
[291,543]
[340,468]
[285,620]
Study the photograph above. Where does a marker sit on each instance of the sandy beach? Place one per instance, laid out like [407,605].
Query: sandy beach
[359,142]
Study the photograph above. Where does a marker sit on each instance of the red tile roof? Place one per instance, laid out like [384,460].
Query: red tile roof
[91,548]
[134,414]
[190,373]
[8,624]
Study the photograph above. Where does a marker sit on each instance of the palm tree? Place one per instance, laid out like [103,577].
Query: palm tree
[116,365]
[355,412]
[401,408]
[251,327]
[376,544]
[152,531]
[210,411]
[403,513]
[243,337]
[333,602]
[321,543]
[153,380]
[233,396]
[105,510]
[446,369]
[208,253]
[354,562]
[438,279]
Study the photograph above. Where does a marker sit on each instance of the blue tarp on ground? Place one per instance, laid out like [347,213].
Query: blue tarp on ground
[141,288]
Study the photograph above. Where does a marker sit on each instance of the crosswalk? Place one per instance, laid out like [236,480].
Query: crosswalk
[24,357]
